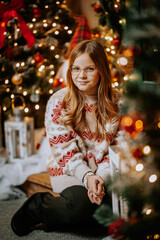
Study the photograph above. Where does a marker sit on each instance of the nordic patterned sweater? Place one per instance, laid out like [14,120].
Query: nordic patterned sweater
[71,154]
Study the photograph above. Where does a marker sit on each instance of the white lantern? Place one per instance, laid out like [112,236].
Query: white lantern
[19,138]
[18,111]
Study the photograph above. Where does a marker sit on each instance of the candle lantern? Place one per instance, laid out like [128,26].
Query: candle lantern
[18,106]
[19,138]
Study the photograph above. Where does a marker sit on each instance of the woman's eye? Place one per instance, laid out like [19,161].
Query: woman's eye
[75,69]
[90,69]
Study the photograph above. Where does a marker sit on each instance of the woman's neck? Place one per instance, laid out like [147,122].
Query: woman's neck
[90,99]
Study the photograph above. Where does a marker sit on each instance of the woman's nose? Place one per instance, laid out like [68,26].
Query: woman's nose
[82,73]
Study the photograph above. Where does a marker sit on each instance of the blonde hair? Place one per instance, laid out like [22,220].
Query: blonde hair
[107,108]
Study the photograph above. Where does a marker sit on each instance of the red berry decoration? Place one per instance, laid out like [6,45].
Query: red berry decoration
[137,153]
[115,41]
[38,58]
[36,12]
[98,8]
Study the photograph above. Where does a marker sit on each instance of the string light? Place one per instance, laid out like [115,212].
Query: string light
[37,106]
[7,89]
[34,31]
[54,24]
[57,32]
[125,78]
[15,44]
[69,31]
[37,91]
[139,167]
[51,80]
[30,25]
[52,47]
[56,56]
[139,125]
[152,178]
[52,72]
[22,64]
[66,27]
[45,25]
[6,81]
[61,79]
[33,19]
[50,91]
[12,96]
[42,67]
[26,110]
[46,6]
[116,84]
[126,121]
[158,124]
[123,61]
[51,66]
[108,49]
[4,108]
[25,93]
[17,65]
[146,150]
[156,236]
[148,211]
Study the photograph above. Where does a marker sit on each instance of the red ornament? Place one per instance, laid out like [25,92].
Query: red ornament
[38,58]
[36,12]
[137,153]
[56,82]
[115,41]
[98,8]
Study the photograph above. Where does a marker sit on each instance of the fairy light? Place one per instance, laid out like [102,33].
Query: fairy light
[153,178]
[54,24]
[26,110]
[51,80]
[148,211]
[52,72]
[66,28]
[4,108]
[37,91]
[58,2]
[108,49]
[7,89]
[146,150]
[6,81]
[31,25]
[12,96]
[46,6]
[56,17]
[69,31]
[120,21]
[20,88]
[116,5]
[112,47]
[126,121]
[45,25]
[15,44]
[22,64]
[156,236]
[50,91]
[33,19]
[33,61]
[113,52]
[37,106]
[34,31]
[56,56]
[51,66]
[61,79]
[57,32]
[42,67]
[139,125]
[52,47]
[123,61]
[25,93]
[158,124]
[9,37]
[17,65]
[139,167]
[125,78]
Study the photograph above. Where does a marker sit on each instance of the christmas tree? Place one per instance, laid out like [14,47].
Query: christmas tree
[138,183]
[34,36]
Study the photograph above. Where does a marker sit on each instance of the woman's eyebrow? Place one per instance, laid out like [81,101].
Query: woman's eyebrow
[85,66]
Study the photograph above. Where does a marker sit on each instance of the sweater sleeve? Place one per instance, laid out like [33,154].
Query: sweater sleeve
[66,156]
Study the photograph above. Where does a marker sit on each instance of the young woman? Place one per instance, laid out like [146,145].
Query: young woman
[81,122]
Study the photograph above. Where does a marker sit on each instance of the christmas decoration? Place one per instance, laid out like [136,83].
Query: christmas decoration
[17,79]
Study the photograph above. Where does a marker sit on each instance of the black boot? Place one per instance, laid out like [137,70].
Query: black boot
[22,223]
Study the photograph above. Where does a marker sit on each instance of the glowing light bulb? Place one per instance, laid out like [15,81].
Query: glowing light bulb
[22,64]
[69,31]
[139,125]
[56,32]
[148,211]
[46,6]
[7,89]
[51,66]
[50,91]
[126,121]
[37,91]
[158,124]
[139,167]
[4,108]
[52,72]
[33,19]
[15,44]
[52,47]
[123,61]
[17,65]
[156,236]
[34,31]
[146,150]
[66,27]
[6,81]
[116,84]
[61,79]
[25,93]
[37,106]
[54,24]
[26,110]
[45,24]
[125,78]
[56,56]
[108,49]
[31,25]
[152,178]
[12,96]
[51,80]
[113,52]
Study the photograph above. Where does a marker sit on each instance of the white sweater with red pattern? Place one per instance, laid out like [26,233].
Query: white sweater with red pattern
[71,155]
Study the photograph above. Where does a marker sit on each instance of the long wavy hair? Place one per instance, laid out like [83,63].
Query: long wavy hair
[107,108]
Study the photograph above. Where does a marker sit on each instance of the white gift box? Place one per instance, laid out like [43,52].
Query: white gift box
[19,138]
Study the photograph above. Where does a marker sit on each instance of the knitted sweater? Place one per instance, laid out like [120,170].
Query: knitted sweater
[71,154]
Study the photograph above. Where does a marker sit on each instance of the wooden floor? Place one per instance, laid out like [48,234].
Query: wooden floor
[37,183]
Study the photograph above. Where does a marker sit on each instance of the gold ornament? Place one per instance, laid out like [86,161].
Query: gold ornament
[17,79]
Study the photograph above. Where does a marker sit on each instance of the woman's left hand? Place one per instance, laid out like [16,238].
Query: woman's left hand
[94,198]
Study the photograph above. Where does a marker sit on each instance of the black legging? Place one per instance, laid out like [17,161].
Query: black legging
[73,208]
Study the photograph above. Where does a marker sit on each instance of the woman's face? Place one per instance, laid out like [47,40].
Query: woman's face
[85,75]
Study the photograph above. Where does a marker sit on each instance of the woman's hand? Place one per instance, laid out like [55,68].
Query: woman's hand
[95,189]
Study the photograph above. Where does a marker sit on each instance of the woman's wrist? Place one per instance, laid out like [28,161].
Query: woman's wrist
[85,179]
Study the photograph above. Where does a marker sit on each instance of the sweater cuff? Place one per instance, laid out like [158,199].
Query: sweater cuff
[81,170]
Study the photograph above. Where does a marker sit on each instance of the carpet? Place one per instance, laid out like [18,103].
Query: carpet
[9,207]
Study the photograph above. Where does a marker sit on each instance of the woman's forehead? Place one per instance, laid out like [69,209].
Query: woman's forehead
[83,59]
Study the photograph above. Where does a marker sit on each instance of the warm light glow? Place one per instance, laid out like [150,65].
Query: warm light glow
[52,47]
[31,25]
[56,56]
[139,125]
[158,124]
[46,6]
[148,211]
[50,91]
[125,78]
[33,19]
[139,167]
[45,25]
[115,5]
[9,37]
[17,64]
[66,27]
[108,49]
[51,80]
[116,84]
[58,2]
[51,66]
[34,31]
[120,21]
[7,89]
[52,72]
[146,150]
[15,44]
[37,91]
[152,178]
[126,121]
[113,52]
[54,24]
[6,81]
[25,93]
[61,79]
[26,110]
[12,96]
[69,31]
[22,64]
[42,67]
[4,108]
[123,61]
[156,236]
[36,106]
[112,47]
[56,32]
